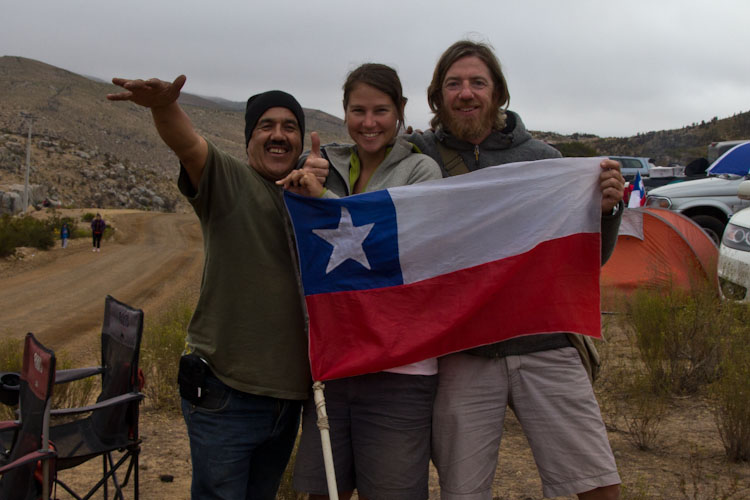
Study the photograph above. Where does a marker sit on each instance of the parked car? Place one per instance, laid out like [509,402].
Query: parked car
[710,202]
[734,253]
[632,165]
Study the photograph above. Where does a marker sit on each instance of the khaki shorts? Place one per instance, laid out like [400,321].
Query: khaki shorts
[554,402]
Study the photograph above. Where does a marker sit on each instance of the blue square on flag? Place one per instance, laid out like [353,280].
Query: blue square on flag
[347,243]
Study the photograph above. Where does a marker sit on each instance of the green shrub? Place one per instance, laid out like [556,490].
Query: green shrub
[55,223]
[679,336]
[630,404]
[730,394]
[37,233]
[7,239]
[80,232]
[162,346]
[24,232]
[644,413]
[88,217]
[576,149]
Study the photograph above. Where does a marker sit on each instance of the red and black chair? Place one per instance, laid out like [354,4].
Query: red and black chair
[27,469]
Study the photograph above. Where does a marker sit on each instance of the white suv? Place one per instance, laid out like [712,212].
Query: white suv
[734,254]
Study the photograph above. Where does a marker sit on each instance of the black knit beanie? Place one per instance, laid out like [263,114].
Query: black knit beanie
[260,103]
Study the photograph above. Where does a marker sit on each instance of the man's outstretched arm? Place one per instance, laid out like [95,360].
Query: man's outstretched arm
[172,123]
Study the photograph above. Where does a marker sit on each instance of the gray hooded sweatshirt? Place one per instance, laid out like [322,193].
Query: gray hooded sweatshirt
[401,167]
[512,144]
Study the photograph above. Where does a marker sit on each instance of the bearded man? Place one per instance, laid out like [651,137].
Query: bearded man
[541,377]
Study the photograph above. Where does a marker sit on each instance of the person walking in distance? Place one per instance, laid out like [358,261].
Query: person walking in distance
[97,230]
[64,234]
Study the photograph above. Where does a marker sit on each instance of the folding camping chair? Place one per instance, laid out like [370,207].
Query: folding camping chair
[30,444]
[110,429]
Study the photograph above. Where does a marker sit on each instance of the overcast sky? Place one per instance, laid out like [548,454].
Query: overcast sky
[609,68]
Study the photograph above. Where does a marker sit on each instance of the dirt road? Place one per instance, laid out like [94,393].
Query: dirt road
[59,295]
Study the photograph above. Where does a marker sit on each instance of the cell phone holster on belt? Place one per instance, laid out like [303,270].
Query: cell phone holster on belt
[192,377]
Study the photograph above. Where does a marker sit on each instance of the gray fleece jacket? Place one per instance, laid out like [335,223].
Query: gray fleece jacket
[512,144]
[401,167]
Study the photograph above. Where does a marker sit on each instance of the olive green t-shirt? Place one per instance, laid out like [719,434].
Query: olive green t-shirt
[249,323]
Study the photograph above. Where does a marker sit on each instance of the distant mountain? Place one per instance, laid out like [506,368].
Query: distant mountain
[90,151]
[87,151]
[665,146]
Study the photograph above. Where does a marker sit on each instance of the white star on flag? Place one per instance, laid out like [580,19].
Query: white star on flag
[346,240]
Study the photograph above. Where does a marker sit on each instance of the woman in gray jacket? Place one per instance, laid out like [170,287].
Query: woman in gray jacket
[380,422]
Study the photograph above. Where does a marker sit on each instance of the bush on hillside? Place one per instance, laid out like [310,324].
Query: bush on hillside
[576,149]
[55,222]
[24,232]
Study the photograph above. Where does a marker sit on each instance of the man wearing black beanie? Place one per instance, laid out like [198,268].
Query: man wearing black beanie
[245,372]
[259,103]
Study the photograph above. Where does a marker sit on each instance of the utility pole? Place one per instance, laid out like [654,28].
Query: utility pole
[30,118]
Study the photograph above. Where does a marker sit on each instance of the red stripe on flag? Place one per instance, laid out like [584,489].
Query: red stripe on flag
[552,288]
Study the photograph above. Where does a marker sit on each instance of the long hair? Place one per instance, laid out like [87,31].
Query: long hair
[459,50]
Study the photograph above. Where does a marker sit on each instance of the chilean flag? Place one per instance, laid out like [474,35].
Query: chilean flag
[637,192]
[409,273]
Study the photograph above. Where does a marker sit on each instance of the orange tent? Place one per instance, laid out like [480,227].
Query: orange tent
[658,248]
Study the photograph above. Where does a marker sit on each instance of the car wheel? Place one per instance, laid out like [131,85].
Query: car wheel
[712,226]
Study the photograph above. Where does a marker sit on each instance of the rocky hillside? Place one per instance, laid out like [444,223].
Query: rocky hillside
[87,151]
[665,146]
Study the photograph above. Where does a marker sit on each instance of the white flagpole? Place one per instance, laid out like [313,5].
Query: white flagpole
[325,438]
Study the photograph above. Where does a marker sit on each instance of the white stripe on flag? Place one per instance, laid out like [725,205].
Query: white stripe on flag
[474,226]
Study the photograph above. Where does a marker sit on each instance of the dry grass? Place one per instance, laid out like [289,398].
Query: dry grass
[162,346]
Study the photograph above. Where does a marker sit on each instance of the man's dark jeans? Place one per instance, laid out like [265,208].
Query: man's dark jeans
[240,443]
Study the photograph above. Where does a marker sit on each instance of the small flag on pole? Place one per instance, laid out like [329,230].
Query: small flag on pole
[637,192]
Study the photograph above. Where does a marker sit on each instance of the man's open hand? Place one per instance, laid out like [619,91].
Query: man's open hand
[152,93]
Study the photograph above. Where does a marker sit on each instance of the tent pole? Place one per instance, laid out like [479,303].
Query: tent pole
[325,438]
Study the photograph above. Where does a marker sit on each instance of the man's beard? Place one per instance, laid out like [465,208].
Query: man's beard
[468,129]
